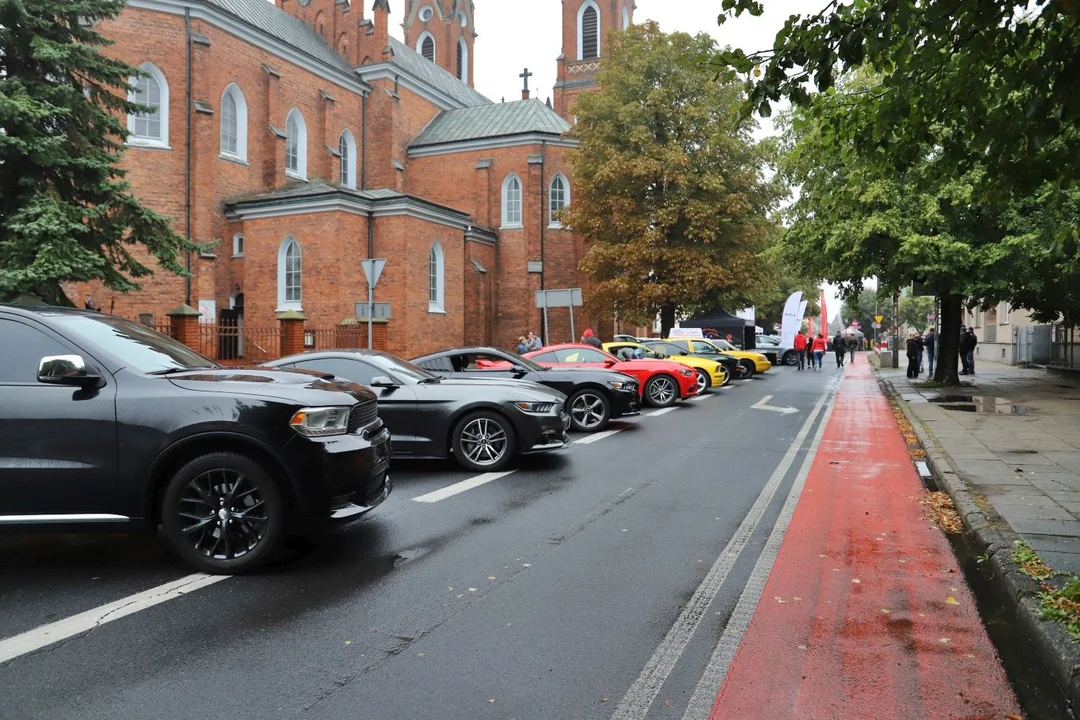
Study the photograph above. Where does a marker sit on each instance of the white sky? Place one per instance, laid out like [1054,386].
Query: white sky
[515,34]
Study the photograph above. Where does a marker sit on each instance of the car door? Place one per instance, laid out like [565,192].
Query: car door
[397,405]
[58,443]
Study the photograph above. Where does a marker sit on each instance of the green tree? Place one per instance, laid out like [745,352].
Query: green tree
[864,307]
[781,281]
[671,198]
[66,213]
[913,312]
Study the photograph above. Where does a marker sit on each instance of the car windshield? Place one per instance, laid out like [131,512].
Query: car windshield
[401,368]
[137,346]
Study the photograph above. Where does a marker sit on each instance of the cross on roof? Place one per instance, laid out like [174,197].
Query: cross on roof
[526,75]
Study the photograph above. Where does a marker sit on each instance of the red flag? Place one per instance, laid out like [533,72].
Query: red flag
[824,313]
[810,326]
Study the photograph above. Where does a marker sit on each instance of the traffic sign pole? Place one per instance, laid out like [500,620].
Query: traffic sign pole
[373,268]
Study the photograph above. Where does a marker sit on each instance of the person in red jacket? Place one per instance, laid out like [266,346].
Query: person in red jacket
[818,349]
[800,349]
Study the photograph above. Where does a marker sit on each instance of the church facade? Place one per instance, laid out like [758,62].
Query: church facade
[299,138]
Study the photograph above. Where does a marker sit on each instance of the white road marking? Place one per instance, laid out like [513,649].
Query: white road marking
[457,488]
[701,702]
[639,698]
[704,396]
[39,637]
[762,404]
[661,411]
[596,436]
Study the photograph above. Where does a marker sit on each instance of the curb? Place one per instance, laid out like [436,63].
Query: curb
[990,535]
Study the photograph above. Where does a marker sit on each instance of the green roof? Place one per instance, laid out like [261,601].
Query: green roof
[431,74]
[491,121]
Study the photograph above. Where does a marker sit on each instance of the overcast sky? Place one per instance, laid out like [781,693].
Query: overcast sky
[515,34]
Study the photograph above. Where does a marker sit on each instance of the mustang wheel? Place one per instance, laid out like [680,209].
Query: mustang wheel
[661,391]
[589,411]
[727,376]
[484,441]
[748,369]
[223,513]
[703,381]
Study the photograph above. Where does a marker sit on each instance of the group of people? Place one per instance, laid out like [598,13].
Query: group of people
[528,342]
[918,345]
[811,351]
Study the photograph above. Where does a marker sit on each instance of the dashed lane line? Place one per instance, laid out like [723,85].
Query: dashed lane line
[661,411]
[463,486]
[588,439]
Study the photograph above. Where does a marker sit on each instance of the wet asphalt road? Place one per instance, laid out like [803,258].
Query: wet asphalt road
[542,594]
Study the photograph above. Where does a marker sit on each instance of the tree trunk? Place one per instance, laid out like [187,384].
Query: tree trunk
[948,343]
[667,320]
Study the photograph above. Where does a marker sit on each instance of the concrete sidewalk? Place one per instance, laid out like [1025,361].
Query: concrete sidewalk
[1014,436]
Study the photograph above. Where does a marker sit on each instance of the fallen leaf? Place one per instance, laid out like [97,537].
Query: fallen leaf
[348,642]
[491,577]
[419,654]
[449,588]
[624,529]
[603,699]
[797,598]
[885,611]
[802,647]
[821,556]
[951,601]
[903,561]
[943,640]
[472,589]
[856,581]
[491,700]
[526,564]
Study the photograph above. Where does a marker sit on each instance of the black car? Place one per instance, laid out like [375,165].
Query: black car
[594,396]
[731,364]
[484,425]
[107,424]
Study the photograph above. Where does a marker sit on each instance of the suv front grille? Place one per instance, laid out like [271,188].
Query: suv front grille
[362,415]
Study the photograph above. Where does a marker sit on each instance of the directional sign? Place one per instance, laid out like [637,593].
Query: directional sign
[373,270]
[762,405]
[879,318]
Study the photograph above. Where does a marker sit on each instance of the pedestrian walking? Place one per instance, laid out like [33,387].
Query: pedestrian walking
[818,348]
[588,338]
[852,345]
[533,342]
[839,346]
[522,346]
[912,357]
[809,350]
[799,346]
[930,343]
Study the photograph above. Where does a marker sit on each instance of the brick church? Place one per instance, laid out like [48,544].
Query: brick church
[302,138]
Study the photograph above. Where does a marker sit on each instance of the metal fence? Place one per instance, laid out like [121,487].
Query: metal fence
[1062,347]
[232,344]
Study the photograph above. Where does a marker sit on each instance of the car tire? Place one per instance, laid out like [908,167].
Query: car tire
[727,377]
[661,391]
[703,381]
[191,514]
[748,369]
[483,429]
[592,407]
[790,358]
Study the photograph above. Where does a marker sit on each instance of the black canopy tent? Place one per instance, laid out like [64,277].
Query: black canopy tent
[719,323]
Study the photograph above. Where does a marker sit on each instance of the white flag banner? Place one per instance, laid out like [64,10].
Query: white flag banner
[792,319]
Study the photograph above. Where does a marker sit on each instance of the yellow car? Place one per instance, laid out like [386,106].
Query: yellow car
[709,372]
[751,361]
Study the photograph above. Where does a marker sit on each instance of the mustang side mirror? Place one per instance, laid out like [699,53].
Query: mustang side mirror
[383,381]
[67,370]
[609,362]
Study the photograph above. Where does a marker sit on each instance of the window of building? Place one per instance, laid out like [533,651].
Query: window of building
[234,123]
[426,46]
[463,19]
[511,202]
[436,275]
[625,17]
[296,145]
[463,60]
[290,275]
[991,316]
[238,245]
[347,150]
[589,31]
[559,199]
[426,13]
[1006,315]
[150,128]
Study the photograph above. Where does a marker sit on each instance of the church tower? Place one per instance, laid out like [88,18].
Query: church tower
[585,25]
[443,32]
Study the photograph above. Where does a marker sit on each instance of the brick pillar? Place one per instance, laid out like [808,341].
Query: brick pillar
[184,325]
[292,332]
[348,334]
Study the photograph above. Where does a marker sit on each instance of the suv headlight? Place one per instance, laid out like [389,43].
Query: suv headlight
[320,422]
[536,408]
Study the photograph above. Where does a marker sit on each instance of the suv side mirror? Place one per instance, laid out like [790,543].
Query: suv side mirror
[383,381]
[66,370]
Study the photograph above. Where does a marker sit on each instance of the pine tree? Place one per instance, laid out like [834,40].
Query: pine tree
[66,212]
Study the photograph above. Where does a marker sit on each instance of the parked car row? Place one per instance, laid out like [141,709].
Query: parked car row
[107,424]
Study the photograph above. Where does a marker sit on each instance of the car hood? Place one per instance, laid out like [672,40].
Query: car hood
[296,386]
[502,389]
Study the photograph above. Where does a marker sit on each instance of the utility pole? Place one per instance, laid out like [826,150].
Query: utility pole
[896,329]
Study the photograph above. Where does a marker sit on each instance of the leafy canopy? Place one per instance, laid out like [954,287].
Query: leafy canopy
[670,195]
[66,214]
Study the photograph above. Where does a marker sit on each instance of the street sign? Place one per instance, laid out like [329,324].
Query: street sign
[879,318]
[558,298]
[379,311]
[877,326]
[373,270]
[931,317]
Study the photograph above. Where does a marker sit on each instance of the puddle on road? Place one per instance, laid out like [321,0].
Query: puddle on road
[951,399]
[988,404]
[408,556]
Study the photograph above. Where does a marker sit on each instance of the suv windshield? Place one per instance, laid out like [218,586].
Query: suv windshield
[137,346]
[401,368]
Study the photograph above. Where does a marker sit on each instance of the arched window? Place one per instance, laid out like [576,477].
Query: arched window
[558,200]
[426,46]
[151,91]
[347,150]
[290,275]
[625,17]
[588,28]
[462,60]
[436,274]
[511,202]
[233,123]
[295,145]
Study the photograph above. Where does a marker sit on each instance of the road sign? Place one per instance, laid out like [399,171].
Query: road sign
[877,326]
[879,318]
[558,298]
[931,317]
[373,270]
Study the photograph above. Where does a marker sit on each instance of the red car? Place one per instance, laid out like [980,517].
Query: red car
[661,382]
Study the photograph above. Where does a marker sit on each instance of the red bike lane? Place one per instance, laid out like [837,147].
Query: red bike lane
[866,613]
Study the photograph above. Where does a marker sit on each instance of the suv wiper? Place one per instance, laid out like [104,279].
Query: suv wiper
[173,371]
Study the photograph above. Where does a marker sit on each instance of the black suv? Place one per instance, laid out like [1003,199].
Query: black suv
[107,424]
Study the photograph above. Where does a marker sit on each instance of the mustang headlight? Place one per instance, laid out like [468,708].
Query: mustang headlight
[687,372]
[320,422]
[536,408]
[619,384]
